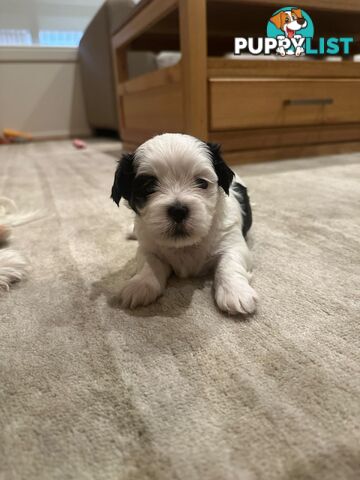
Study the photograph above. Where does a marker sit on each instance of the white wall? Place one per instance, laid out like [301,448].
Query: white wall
[40,92]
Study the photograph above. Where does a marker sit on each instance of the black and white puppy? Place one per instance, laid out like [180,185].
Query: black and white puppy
[192,215]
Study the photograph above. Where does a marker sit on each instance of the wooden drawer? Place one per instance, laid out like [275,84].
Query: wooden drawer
[248,103]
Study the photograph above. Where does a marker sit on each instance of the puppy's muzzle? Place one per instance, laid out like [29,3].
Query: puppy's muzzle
[178,212]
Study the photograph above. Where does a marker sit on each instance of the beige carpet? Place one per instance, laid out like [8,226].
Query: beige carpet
[179,390]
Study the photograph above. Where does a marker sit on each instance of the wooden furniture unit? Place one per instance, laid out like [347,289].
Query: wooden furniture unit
[257,109]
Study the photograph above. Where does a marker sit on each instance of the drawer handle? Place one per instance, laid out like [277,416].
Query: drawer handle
[308,101]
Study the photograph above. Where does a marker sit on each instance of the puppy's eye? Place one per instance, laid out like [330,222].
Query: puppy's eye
[201,183]
[286,20]
[144,185]
[149,187]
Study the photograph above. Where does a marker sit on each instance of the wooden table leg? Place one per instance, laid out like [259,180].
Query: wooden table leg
[120,66]
[193,41]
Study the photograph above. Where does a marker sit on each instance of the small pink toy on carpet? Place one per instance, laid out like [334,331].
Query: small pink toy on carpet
[79,144]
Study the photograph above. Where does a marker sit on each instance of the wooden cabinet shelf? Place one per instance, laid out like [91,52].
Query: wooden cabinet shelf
[257,109]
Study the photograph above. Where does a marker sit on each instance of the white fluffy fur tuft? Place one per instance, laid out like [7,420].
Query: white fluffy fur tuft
[11,216]
[13,267]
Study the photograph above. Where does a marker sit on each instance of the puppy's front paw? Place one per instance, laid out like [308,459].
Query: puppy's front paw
[237,298]
[139,291]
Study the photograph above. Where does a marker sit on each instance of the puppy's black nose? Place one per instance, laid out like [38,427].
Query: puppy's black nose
[301,21]
[178,212]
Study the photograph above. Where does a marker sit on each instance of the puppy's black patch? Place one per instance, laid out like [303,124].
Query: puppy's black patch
[224,173]
[134,189]
[143,186]
[124,178]
[244,200]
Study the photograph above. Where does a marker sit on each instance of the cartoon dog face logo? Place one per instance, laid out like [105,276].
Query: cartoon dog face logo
[290,22]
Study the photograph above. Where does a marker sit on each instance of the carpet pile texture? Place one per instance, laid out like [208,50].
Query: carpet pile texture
[179,390]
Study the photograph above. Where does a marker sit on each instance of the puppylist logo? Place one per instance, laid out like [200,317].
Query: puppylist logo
[290,31]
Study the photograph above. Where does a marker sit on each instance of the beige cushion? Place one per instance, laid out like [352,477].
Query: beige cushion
[118,11]
[96,63]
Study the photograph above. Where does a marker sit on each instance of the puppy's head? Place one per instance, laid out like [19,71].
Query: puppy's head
[289,21]
[173,182]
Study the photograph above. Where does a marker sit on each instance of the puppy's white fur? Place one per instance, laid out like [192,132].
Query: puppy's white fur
[214,237]
[13,267]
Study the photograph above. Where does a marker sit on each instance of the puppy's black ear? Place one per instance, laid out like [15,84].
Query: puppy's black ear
[224,173]
[124,178]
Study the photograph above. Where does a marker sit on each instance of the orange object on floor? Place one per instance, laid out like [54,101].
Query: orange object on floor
[17,135]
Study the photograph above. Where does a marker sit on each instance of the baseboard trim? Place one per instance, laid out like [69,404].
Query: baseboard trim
[35,54]
[60,135]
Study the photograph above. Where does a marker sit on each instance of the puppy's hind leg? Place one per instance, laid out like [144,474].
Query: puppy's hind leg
[148,284]
[233,293]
